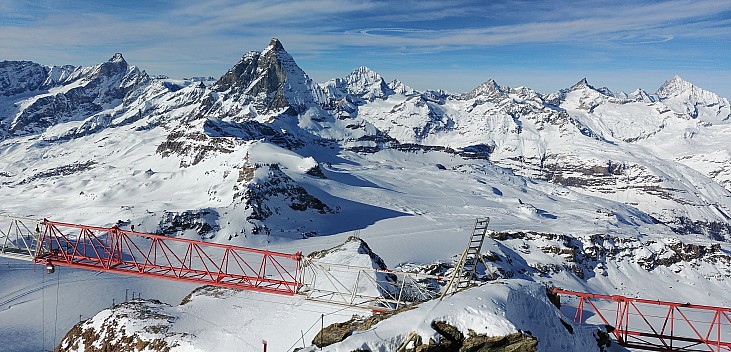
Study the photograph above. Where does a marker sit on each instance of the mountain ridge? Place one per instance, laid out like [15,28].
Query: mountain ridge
[266,96]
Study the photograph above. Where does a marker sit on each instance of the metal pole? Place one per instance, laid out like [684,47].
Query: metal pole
[126,290]
[322,327]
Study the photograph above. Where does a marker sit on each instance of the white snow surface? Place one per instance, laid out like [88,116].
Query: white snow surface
[606,236]
[495,309]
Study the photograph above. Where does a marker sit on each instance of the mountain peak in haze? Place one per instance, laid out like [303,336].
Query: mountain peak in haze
[488,89]
[685,98]
[674,87]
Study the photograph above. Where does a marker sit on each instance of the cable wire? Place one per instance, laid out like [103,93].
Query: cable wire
[55,322]
[43,309]
[319,319]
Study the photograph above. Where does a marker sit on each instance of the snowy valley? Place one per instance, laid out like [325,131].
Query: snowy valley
[586,189]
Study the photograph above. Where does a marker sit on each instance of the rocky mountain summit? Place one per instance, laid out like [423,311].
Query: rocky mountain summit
[69,93]
[267,82]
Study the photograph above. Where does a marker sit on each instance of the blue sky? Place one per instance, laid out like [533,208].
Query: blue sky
[451,45]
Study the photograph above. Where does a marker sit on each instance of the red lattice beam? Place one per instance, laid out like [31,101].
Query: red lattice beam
[658,325]
[142,254]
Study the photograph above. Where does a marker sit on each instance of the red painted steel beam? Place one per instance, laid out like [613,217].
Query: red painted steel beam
[660,333]
[112,249]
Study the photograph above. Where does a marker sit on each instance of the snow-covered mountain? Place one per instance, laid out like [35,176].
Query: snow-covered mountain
[264,83]
[74,94]
[362,83]
[685,98]
[584,186]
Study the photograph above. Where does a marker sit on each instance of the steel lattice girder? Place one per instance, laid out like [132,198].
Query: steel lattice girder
[659,325]
[143,254]
[18,239]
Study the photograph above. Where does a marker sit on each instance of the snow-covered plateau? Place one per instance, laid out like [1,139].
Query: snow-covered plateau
[586,189]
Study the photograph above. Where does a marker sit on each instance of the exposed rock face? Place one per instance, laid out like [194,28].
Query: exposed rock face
[451,338]
[363,83]
[338,332]
[96,88]
[270,81]
[202,222]
[18,77]
[591,255]
[107,332]
[272,192]
[193,147]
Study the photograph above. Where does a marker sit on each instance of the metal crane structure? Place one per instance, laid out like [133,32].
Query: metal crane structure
[112,249]
[116,250]
[633,322]
[653,325]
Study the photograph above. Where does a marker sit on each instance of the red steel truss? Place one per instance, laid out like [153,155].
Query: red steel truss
[657,325]
[143,254]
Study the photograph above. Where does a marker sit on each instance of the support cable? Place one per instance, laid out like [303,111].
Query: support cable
[55,322]
[318,320]
[43,309]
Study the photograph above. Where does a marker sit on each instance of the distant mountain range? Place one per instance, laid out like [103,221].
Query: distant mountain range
[663,153]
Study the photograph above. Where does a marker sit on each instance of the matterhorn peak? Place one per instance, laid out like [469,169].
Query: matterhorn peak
[117,58]
[274,45]
[272,82]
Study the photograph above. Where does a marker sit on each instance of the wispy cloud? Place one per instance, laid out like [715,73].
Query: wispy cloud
[326,24]
[208,36]
[637,24]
